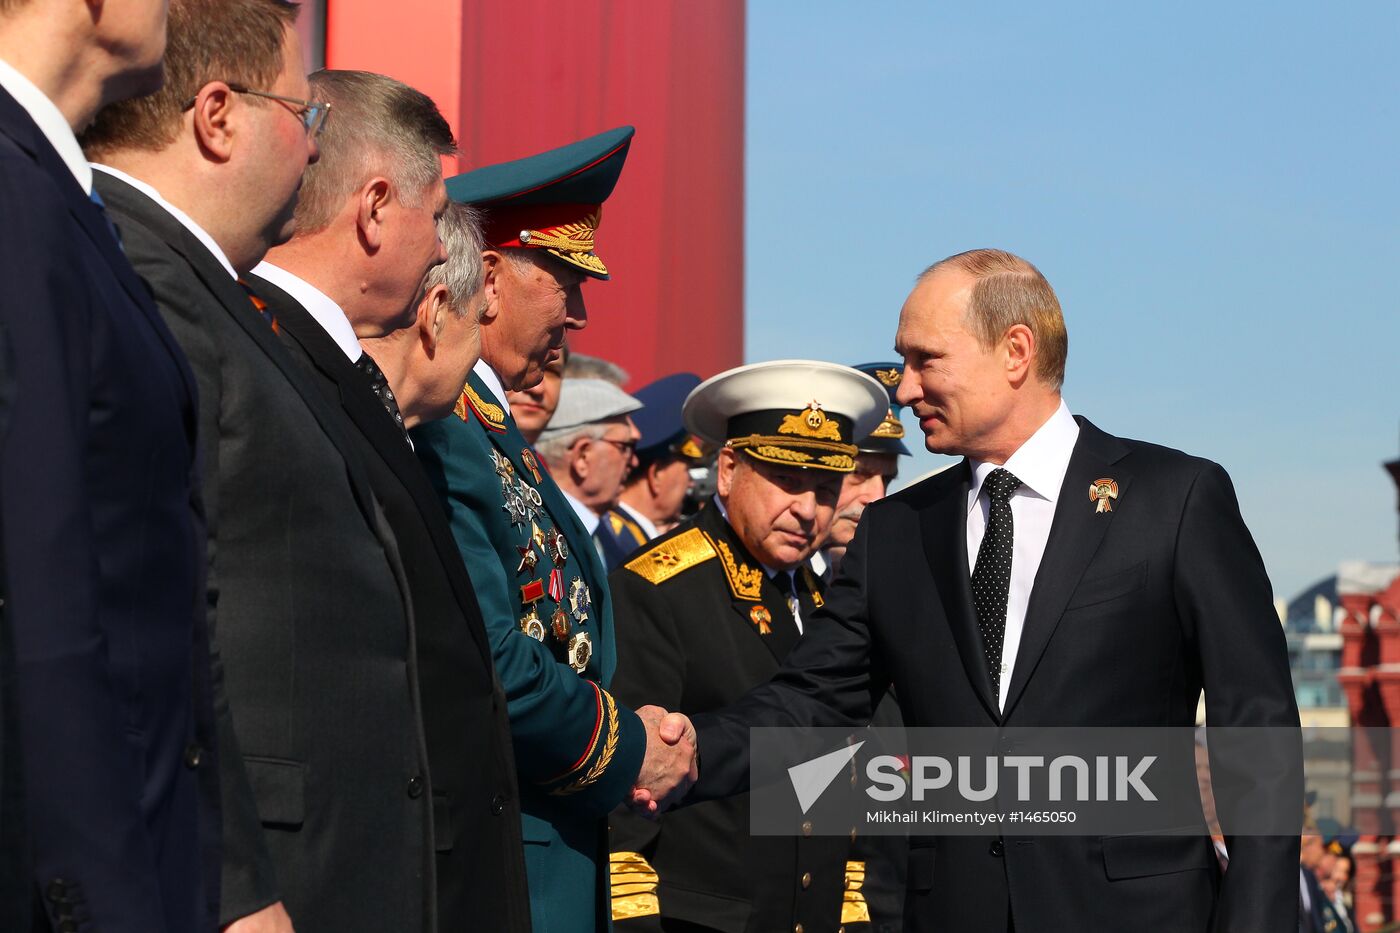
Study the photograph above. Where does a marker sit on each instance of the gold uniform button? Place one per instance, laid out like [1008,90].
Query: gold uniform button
[806,827]
[806,880]
[797,929]
[853,834]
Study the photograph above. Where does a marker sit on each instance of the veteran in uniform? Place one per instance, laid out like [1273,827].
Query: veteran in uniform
[541,587]
[709,611]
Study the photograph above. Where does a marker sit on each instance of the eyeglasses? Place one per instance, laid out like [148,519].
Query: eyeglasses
[312,113]
[626,448]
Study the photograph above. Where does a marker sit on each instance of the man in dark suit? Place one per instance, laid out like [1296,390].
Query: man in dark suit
[328,815]
[409,376]
[103,534]
[997,594]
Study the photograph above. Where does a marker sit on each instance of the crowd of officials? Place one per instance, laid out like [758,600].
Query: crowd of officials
[339,596]
[309,514]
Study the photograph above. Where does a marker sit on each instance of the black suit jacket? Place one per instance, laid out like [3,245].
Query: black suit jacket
[328,811]
[1133,611]
[480,865]
[104,547]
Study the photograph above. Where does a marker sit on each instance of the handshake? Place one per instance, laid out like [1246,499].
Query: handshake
[671,766]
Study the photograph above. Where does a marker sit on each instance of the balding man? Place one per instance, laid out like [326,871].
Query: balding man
[998,594]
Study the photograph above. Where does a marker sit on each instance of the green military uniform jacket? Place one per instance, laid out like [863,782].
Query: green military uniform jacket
[702,623]
[548,614]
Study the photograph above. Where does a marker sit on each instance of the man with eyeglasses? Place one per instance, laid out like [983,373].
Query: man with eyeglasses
[589,447]
[326,820]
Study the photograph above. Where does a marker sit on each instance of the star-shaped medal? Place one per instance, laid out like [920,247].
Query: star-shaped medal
[528,557]
[580,600]
[515,507]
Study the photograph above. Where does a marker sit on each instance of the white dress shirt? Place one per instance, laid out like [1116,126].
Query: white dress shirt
[185,220]
[648,527]
[317,304]
[1040,464]
[51,122]
[486,374]
[586,516]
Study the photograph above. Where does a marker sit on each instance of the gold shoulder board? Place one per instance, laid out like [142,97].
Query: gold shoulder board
[492,416]
[667,558]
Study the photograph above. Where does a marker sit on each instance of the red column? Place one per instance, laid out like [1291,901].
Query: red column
[520,77]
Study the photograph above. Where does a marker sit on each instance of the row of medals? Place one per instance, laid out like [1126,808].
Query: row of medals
[522,503]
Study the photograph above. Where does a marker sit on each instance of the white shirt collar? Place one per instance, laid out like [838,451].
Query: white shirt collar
[1040,463]
[647,525]
[587,516]
[488,375]
[51,123]
[185,220]
[326,312]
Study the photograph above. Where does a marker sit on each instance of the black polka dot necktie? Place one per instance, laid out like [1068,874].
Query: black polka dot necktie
[379,383]
[991,575]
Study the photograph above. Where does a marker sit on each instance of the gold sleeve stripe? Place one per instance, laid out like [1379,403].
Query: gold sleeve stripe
[633,886]
[605,757]
[592,741]
[667,558]
[853,906]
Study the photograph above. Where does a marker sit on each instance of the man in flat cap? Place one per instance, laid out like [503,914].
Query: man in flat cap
[540,584]
[655,489]
[589,447]
[709,611]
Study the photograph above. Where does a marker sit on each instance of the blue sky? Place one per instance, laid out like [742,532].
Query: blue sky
[1213,190]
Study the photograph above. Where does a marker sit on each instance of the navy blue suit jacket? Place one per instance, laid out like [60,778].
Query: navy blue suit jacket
[104,544]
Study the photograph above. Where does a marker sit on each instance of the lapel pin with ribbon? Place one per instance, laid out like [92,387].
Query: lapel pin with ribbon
[1103,491]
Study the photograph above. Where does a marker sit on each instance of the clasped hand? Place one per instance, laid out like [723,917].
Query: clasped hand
[671,766]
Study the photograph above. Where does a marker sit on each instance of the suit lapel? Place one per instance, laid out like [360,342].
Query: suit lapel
[1075,535]
[382,434]
[944,525]
[296,322]
[91,218]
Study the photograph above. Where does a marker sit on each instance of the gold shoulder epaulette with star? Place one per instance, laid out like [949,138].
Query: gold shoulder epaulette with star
[666,558]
